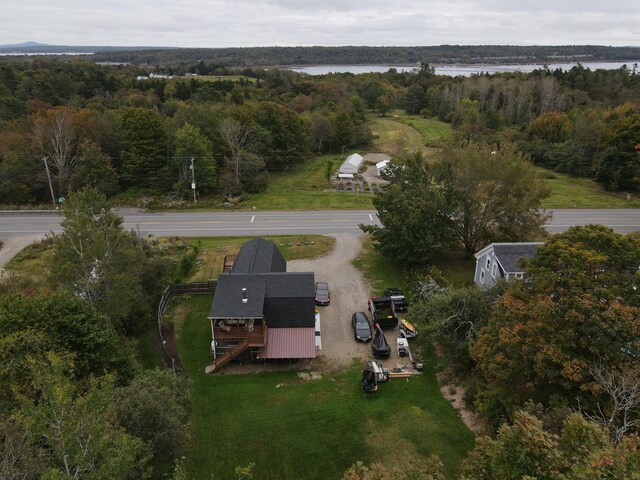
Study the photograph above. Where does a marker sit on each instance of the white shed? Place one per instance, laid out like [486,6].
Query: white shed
[351,164]
[381,166]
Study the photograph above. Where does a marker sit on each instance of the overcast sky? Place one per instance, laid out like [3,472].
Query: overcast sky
[245,23]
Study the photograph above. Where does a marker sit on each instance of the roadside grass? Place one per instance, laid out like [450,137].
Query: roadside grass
[382,272]
[212,250]
[292,428]
[574,192]
[305,187]
[34,264]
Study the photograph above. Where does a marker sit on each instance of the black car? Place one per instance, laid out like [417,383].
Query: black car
[397,296]
[323,297]
[361,327]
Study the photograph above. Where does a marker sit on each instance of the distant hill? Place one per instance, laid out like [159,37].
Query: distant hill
[30,48]
[24,44]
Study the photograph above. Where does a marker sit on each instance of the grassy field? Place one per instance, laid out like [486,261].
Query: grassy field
[431,129]
[400,131]
[312,429]
[573,192]
[305,187]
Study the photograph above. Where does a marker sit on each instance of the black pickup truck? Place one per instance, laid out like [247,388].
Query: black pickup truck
[383,311]
[397,296]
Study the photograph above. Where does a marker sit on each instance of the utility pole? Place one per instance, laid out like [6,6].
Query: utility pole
[193,181]
[53,197]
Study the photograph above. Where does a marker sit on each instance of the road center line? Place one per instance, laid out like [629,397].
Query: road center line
[253,218]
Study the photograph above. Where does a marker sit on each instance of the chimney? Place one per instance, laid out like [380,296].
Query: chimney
[244,295]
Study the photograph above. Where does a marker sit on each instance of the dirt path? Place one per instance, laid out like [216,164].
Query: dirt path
[349,293]
[13,245]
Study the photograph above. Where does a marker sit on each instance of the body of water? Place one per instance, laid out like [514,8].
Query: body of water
[465,70]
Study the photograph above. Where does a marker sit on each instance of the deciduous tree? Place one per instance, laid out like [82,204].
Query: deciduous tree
[413,211]
[55,136]
[495,195]
[524,450]
[103,264]
[582,308]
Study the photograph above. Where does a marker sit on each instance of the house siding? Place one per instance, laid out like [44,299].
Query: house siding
[484,270]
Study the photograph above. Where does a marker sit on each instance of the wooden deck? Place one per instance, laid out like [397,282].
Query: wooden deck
[255,338]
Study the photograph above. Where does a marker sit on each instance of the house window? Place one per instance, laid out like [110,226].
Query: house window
[518,275]
[494,269]
[488,262]
[482,276]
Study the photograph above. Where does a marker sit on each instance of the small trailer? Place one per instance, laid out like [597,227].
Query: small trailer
[402,347]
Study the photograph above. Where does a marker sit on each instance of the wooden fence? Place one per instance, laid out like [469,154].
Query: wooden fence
[170,351]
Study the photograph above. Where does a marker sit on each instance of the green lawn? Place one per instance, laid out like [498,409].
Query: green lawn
[574,192]
[305,187]
[295,429]
[382,272]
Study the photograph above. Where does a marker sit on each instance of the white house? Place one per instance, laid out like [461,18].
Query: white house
[502,260]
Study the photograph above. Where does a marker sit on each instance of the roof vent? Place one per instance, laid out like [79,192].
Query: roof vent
[244,295]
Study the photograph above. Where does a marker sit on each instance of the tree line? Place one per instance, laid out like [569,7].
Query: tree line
[100,125]
[76,400]
[355,55]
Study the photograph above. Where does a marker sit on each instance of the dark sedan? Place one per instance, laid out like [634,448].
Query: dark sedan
[323,296]
[361,327]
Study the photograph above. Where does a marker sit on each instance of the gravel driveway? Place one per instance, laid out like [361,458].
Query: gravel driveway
[349,293]
[13,245]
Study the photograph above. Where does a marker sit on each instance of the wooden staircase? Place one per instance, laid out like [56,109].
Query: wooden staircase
[220,362]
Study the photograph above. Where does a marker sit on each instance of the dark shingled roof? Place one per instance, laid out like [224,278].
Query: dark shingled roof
[227,301]
[259,256]
[286,299]
[509,254]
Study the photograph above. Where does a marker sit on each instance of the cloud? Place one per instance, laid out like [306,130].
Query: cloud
[219,23]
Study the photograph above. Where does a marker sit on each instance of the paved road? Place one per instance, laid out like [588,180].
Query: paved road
[279,223]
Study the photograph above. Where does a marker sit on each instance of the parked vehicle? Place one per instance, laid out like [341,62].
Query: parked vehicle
[361,327]
[398,298]
[380,348]
[323,295]
[383,311]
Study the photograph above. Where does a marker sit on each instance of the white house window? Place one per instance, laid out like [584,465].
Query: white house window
[488,262]
[494,269]
[482,276]
[518,275]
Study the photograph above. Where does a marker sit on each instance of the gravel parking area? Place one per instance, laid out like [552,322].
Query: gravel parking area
[349,293]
